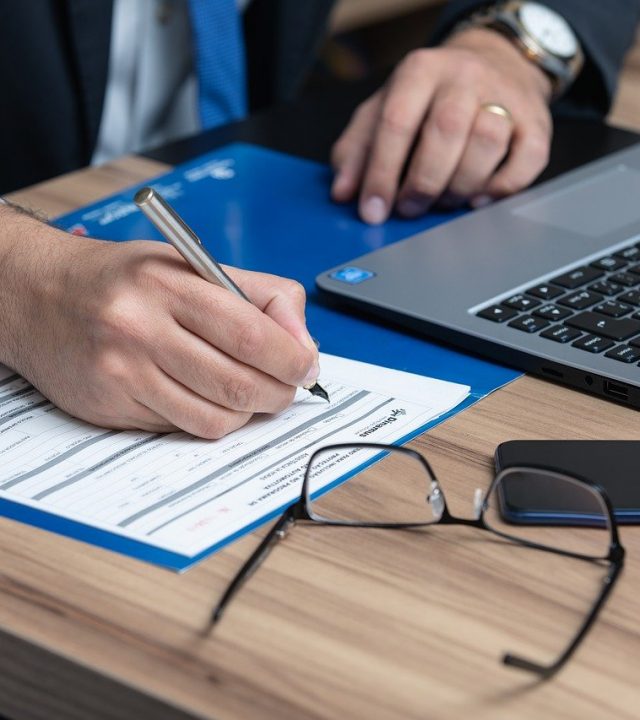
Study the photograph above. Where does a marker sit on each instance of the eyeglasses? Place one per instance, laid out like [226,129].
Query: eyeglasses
[395,488]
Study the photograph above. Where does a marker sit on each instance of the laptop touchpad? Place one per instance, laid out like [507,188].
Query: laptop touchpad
[595,206]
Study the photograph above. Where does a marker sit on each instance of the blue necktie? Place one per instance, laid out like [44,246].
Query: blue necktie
[219,61]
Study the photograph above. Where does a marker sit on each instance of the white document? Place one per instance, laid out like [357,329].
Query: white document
[184,495]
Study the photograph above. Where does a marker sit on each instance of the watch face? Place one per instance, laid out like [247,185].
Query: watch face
[549,29]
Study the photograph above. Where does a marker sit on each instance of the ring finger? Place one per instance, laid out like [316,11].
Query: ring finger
[487,146]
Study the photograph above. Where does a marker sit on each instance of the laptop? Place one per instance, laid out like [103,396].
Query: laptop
[547,281]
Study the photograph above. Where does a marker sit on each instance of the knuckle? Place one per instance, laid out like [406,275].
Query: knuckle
[424,185]
[110,369]
[240,393]
[468,69]
[538,148]
[508,185]
[295,291]
[450,118]
[416,60]
[249,341]
[116,321]
[395,118]
[211,426]
[220,424]
[284,399]
[491,134]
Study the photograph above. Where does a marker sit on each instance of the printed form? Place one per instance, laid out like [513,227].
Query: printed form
[185,495]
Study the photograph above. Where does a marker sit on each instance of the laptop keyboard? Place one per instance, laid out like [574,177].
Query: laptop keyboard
[595,307]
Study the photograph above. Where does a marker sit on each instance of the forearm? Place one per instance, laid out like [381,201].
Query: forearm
[26,272]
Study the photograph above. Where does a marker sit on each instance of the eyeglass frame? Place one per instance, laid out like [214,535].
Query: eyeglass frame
[300,511]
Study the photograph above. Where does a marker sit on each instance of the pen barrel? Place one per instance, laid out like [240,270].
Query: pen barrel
[184,240]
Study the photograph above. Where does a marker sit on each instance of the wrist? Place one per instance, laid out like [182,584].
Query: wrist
[28,280]
[501,52]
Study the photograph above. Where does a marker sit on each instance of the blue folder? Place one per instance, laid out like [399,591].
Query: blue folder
[266,211]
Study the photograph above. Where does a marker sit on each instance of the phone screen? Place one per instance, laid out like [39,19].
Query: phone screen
[613,465]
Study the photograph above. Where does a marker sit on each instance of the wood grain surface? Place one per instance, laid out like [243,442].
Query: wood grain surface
[338,623]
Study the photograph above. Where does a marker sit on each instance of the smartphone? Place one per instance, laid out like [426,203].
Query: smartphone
[614,465]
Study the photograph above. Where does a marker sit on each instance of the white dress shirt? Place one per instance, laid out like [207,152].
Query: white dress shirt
[151,95]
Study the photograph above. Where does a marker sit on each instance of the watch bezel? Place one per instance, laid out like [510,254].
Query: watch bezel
[539,41]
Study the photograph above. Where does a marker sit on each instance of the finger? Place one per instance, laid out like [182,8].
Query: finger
[528,156]
[281,299]
[147,419]
[442,143]
[349,153]
[188,411]
[487,145]
[242,331]
[219,379]
[136,416]
[401,115]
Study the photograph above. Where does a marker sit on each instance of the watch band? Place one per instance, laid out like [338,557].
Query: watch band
[504,18]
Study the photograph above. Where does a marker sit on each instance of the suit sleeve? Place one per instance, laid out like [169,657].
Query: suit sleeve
[606,30]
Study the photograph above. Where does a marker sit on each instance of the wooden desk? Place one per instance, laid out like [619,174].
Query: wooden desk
[338,623]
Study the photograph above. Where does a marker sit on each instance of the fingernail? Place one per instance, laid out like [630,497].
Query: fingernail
[413,207]
[374,210]
[480,201]
[312,375]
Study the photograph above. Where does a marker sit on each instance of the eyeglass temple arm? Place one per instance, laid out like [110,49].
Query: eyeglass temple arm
[547,671]
[259,555]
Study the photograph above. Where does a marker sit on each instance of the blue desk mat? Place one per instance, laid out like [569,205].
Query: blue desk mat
[263,210]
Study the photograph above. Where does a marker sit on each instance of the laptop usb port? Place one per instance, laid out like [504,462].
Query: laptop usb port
[616,390]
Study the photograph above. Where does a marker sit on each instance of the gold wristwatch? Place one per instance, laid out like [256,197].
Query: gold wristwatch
[543,36]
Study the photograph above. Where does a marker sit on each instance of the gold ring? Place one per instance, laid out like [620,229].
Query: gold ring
[497,109]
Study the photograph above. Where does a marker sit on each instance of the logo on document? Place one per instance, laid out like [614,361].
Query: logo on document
[352,275]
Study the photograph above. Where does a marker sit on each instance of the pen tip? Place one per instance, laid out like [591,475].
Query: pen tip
[319,391]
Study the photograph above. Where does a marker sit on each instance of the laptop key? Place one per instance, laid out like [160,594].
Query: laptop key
[624,353]
[612,308]
[609,263]
[561,334]
[632,297]
[605,287]
[635,269]
[593,344]
[578,277]
[552,312]
[545,292]
[580,300]
[529,324]
[497,313]
[630,253]
[521,302]
[607,327]
[626,279]
[635,342]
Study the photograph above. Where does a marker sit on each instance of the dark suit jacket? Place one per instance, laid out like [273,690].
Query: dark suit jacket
[54,59]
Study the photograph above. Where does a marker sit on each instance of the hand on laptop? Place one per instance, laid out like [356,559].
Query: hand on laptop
[126,335]
[430,136]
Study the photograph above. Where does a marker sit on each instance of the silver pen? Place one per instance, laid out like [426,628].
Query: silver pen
[172,227]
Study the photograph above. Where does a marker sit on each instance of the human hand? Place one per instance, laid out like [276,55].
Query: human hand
[126,335]
[424,137]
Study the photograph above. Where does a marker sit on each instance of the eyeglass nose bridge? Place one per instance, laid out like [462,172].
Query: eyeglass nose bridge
[435,499]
